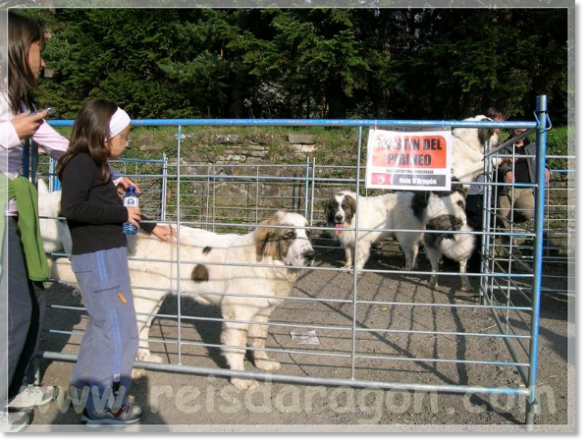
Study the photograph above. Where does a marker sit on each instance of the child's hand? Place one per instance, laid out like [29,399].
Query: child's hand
[124,183]
[26,125]
[133,215]
[165,232]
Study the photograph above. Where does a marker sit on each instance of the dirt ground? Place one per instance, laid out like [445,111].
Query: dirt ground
[200,403]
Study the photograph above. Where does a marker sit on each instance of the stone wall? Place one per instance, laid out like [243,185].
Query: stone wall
[234,194]
[239,149]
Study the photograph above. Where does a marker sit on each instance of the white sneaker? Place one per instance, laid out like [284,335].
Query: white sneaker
[126,415]
[15,421]
[78,397]
[33,396]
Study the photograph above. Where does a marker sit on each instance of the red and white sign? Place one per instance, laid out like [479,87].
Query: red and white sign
[409,160]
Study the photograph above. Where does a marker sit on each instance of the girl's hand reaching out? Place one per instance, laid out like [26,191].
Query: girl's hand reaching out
[165,232]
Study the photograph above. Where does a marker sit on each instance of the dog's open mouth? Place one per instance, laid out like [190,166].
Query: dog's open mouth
[338,226]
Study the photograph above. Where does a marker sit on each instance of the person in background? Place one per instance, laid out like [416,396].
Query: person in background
[518,203]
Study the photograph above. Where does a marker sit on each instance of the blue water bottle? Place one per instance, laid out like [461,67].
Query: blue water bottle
[130,199]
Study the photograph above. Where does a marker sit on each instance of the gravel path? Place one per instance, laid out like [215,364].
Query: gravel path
[181,402]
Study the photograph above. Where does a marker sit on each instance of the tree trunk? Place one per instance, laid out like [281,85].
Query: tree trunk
[335,100]
[235,110]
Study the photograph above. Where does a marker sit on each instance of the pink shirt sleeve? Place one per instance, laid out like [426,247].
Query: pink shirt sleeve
[8,136]
[51,141]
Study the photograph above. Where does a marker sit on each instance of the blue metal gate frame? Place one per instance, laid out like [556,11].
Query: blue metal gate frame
[542,124]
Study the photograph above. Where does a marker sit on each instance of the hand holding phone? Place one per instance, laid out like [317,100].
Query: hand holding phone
[50,111]
[26,125]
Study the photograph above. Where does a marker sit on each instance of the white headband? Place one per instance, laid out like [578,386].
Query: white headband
[118,122]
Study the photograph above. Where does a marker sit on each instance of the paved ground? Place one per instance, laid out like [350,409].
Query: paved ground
[181,402]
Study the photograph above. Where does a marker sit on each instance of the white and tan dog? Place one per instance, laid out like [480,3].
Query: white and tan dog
[239,291]
[396,210]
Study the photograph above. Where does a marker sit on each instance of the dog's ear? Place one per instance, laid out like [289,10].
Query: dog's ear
[461,189]
[262,237]
[330,210]
[265,237]
[484,134]
[457,186]
[351,202]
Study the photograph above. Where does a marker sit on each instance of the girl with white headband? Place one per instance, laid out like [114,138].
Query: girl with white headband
[95,215]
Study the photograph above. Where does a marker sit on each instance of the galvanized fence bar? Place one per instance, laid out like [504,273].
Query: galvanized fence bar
[356,231]
[178,256]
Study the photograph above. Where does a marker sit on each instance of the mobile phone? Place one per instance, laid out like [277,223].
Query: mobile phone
[50,110]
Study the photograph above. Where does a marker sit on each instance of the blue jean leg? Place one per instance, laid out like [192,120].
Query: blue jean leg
[110,343]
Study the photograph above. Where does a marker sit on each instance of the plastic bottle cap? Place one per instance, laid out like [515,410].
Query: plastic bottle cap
[131,189]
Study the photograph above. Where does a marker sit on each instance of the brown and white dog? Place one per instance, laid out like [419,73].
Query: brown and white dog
[396,210]
[237,290]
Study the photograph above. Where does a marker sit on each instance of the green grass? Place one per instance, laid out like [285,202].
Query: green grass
[336,146]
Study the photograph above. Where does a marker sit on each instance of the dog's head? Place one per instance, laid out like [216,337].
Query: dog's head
[475,137]
[448,203]
[487,134]
[286,239]
[340,210]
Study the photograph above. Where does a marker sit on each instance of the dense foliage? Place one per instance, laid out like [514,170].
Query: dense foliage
[308,63]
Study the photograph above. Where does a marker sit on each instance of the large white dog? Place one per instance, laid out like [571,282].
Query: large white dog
[247,293]
[396,210]
[54,232]
[468,150]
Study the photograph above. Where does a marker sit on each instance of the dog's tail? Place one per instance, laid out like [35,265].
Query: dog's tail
[458,247]
[457,244]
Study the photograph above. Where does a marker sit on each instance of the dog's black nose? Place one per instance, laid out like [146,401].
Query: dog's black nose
[339,218]
[309,255]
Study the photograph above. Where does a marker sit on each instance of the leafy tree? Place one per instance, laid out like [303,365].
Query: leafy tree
[308,63]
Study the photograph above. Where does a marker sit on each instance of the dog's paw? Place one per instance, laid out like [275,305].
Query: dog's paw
[138,373]
[432,283]
[244,384]
[155,359]
[145,355]
[267,365]
[465,284]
